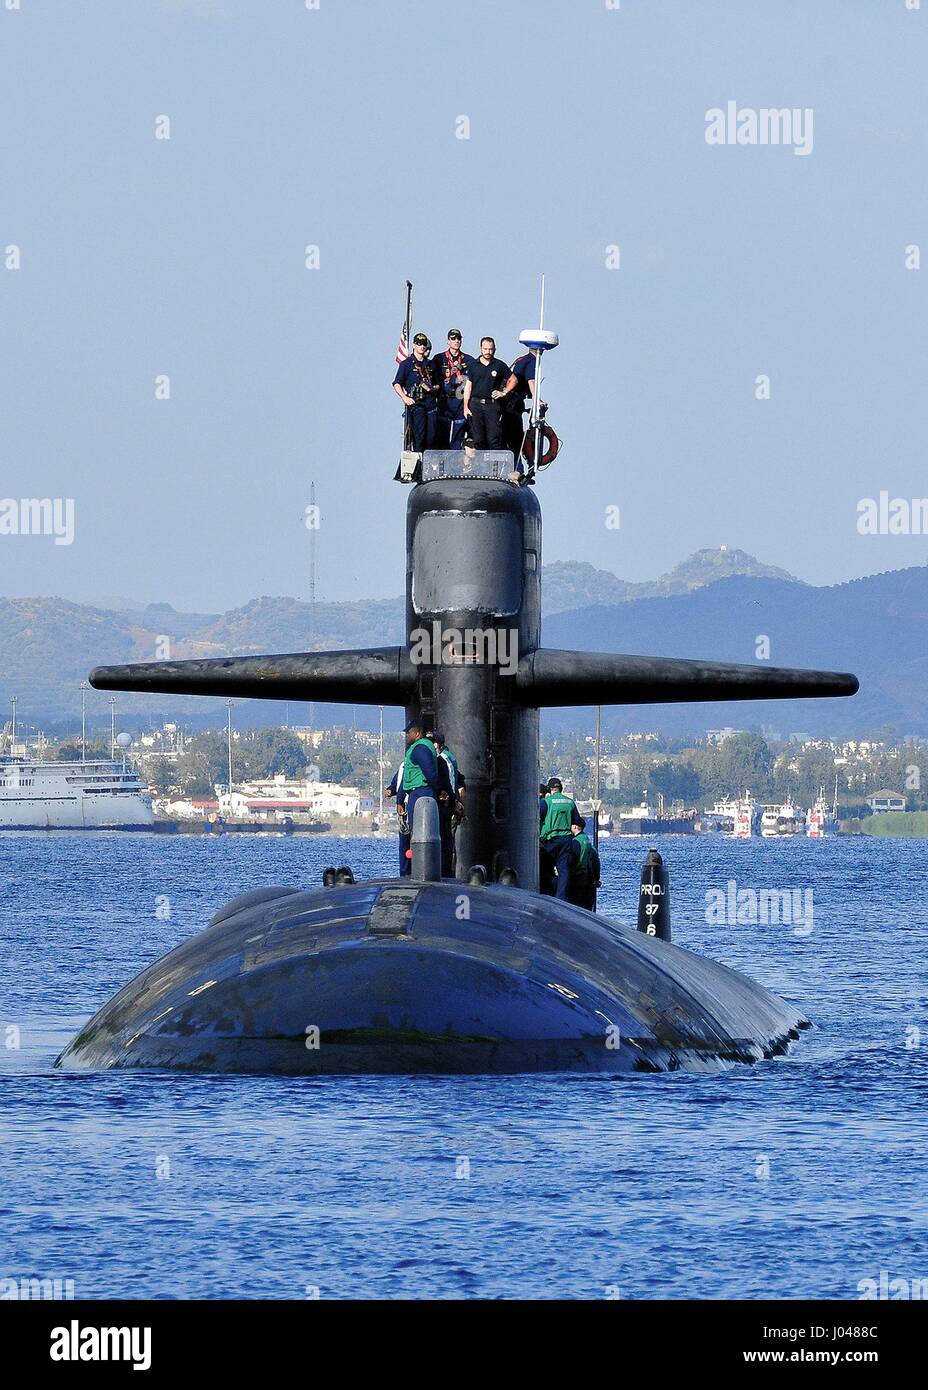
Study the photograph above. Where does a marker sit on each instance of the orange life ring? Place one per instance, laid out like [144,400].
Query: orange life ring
[548,453]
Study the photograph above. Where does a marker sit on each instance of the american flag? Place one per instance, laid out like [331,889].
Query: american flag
[402,352]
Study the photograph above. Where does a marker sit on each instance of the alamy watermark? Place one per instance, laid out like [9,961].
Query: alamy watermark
[32,1288]
[38,516]
[454,646]
[887,1288]
[766,125]
[78,1342]
[733,906]
[896,516]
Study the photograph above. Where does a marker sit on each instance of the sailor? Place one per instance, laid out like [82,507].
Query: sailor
[450,800]
[395,789]
[545,868]
[455,774]
[483,389]
[558,815]
[415,387]
[446,805]
[420,777]
[448,369]
[517,392]
[584,870]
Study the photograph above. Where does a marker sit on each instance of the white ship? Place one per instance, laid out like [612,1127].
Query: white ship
[731,817]
[781,820]
[745,808]
[818,818]
[72,796]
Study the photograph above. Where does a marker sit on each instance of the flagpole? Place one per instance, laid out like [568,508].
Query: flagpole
[407,328]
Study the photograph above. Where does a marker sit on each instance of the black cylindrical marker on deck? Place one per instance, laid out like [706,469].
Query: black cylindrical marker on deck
[654,898]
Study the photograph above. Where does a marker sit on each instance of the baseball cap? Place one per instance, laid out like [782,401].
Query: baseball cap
[421,340]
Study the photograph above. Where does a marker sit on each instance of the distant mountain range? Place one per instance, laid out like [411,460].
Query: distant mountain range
[567,585]
[718,605]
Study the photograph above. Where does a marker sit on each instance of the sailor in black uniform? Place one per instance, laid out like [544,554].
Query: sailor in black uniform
[414,385]
[483,389]
[448,369]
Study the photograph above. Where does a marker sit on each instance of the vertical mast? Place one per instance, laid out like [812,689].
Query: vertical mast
[312,585]
[537,353]
[380,765]
[599,715]
[407,349]
[538,341]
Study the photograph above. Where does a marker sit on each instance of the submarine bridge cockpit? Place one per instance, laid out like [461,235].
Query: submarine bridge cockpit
[467,462]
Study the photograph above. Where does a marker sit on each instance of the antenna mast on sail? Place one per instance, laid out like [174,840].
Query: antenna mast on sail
[539,340]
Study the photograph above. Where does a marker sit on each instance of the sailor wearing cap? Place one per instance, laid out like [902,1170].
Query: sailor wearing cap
[415,387]
[448,369]
[482,391]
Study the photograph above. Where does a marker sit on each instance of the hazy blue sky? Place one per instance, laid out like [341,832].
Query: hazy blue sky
[336,127]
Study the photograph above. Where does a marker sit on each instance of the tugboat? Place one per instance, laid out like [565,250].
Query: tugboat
[745,813]
[818,818]
[779,822]
[478,973]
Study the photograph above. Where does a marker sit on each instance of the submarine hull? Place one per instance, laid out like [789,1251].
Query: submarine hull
[397,977]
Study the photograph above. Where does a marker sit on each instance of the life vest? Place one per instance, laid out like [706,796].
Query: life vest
[453,369]
[557,817]
[413,776]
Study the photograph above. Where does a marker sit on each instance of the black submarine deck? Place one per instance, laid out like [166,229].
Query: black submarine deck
[394,976]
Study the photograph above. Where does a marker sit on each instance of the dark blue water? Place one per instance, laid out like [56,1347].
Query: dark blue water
[549,1186]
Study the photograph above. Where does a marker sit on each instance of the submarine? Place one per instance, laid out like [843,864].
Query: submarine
[474,974]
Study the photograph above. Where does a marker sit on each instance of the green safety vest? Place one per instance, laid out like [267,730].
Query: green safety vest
[557,818]
[413,776]
[585,846]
